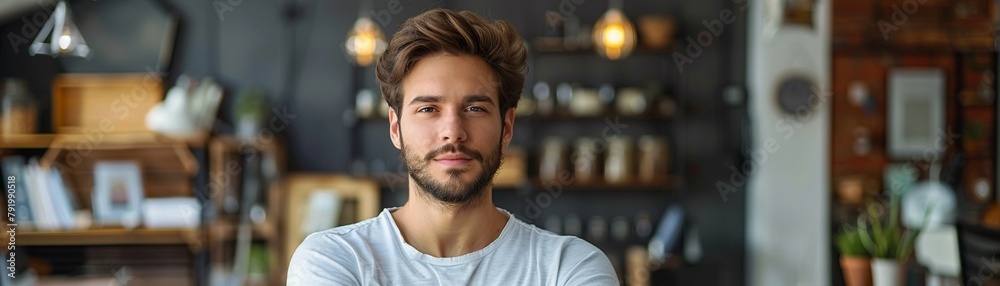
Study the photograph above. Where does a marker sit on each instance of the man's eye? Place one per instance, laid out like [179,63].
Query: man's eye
[425,109]
[476,109]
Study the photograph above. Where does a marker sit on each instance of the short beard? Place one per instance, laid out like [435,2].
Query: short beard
[452,191]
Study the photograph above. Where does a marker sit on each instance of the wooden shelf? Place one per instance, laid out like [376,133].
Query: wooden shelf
[978,106]
[26,141]
[132,142]
[664,184]
[116,140]
[877,46]
[224,230]
[98,141]
[112,236]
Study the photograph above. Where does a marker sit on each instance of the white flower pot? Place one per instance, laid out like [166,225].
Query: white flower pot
[886,272]
[247,128]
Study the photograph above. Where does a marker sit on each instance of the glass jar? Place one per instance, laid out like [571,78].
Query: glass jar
[20,112]
[585,160]
[618,165]
[552,164]
[654,159]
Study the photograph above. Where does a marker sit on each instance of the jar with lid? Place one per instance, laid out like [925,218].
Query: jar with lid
[19,110]
[618,166]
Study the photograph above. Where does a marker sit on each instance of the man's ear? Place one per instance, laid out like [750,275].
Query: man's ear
[508,127]
[394,128]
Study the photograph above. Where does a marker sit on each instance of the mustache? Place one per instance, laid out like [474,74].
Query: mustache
[452,148]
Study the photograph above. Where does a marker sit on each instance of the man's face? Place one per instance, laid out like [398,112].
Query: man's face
[450,131]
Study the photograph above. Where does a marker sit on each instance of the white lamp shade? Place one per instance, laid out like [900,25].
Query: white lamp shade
[929,205]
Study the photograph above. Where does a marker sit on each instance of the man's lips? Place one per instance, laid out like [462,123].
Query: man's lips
[453,159]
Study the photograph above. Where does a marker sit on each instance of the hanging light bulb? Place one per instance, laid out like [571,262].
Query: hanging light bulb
[65,40]
[365,42]
[63,35]
[614,34]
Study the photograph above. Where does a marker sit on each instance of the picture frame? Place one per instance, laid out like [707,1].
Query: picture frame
[790,13]
[118,193]
[799,12]
[356,199]
[916,112]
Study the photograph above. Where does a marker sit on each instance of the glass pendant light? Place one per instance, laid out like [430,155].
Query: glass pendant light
[614,34]
[64,37]
[365,42]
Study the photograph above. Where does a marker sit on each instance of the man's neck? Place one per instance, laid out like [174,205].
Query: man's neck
[448,230]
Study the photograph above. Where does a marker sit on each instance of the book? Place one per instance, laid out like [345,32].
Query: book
[44,214]
[62,200]
[13,166]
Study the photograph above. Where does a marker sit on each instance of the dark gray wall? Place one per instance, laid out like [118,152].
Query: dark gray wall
[297,58]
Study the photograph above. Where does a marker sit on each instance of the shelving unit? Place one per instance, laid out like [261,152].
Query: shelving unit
[228,169]
[866,56]
[955,36]
[170,168]
[597,198]
[555,65]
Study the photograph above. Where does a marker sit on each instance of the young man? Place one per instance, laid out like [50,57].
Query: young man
[452,81]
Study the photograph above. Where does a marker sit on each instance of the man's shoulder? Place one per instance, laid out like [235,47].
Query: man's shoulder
[359,231]
[332,255]
[545,239]
[358,228]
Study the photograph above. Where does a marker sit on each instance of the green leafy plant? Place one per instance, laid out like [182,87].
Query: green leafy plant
[849,242]
[883,236]
[251,104]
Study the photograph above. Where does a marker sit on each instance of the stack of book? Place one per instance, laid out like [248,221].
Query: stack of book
[41,199]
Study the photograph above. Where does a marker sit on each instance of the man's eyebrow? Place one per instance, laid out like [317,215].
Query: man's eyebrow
[468,99]
[425,98]
[479,98]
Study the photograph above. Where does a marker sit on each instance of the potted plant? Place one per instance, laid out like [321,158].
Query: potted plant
[249,113]
[886,241]
[854,258]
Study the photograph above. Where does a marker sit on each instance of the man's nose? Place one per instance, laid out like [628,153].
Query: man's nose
[453,127]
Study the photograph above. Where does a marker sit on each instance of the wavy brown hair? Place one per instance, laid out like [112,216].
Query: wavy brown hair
[457,33]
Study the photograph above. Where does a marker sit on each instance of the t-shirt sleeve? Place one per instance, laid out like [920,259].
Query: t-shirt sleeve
[323,259]
[587,265]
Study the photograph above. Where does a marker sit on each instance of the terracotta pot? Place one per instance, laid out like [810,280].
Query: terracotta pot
[656,31]
[857,270]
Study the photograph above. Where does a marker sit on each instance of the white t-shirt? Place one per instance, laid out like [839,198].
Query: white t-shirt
[373,252]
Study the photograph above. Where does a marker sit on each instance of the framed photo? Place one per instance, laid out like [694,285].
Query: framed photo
[316,202]
[798,12]
[777,13]
[118,194]
[916,113]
